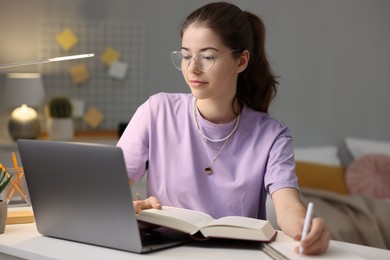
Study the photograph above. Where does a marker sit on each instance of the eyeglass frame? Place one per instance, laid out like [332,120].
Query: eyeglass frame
[194,59]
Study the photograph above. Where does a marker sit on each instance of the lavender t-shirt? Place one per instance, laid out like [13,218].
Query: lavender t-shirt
[162,138]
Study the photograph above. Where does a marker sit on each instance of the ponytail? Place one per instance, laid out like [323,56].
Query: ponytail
[256,86]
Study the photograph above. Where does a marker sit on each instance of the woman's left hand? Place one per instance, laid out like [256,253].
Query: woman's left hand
[317,239]
[291,213]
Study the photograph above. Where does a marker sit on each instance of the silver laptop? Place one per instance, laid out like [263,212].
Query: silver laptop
[80,192]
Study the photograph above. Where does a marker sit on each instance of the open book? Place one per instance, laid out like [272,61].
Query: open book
[201,224]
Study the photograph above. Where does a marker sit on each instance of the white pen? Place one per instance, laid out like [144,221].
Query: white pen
[306,225]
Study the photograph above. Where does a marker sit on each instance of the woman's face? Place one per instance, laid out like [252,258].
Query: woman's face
[220,82]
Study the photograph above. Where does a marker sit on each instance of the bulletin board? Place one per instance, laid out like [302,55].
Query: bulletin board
[117,99]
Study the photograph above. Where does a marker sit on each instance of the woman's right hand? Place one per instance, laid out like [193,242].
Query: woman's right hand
[149,203]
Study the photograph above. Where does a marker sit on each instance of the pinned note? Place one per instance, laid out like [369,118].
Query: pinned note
[79,73]
[118,69]
[67,39]
[110,55]
[93,117]
[77,108]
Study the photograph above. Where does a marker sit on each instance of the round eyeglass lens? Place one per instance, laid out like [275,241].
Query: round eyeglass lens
[178,61]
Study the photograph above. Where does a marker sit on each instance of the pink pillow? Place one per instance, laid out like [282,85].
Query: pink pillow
[370,175]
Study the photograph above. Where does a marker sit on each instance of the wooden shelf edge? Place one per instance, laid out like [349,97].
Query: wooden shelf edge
[93,134]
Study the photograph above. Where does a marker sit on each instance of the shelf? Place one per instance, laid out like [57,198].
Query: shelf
[113,134]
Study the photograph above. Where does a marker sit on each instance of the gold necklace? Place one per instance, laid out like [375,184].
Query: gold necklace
[208,170]
[208,138]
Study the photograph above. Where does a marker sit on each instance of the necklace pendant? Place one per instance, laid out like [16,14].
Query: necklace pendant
[208,170]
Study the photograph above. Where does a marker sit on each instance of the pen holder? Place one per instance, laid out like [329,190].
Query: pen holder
[17,190]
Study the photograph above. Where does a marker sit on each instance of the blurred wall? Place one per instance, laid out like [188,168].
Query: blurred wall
[333,57]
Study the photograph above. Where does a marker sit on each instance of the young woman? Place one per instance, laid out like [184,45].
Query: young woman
[217,150]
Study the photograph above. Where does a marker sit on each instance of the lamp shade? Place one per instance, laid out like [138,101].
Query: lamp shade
[21,91]
[24,88]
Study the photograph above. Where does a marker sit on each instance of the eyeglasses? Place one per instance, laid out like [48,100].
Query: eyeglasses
[203,61]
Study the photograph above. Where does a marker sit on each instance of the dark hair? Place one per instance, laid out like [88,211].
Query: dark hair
[256,86]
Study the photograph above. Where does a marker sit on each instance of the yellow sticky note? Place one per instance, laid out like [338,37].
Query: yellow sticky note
[67,39]
[93,117]
[79,73]
[110,55]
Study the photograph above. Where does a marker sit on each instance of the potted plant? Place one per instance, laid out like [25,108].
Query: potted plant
[3,204]
[59,119]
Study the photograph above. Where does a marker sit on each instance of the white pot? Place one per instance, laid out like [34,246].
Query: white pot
[60,128]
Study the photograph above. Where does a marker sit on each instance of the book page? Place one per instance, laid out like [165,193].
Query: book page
[240,228]
[242,222]
[176,218]
[195,217]
[333,252]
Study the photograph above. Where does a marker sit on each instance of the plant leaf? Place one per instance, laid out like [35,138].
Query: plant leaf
[4,184]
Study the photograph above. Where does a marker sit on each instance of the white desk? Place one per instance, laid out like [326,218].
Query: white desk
[25,242]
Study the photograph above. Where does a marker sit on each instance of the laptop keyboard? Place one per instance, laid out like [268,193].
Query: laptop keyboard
[150,237]
[162,236]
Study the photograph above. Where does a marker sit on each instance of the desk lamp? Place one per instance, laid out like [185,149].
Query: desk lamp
[23,91]
[27,89]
